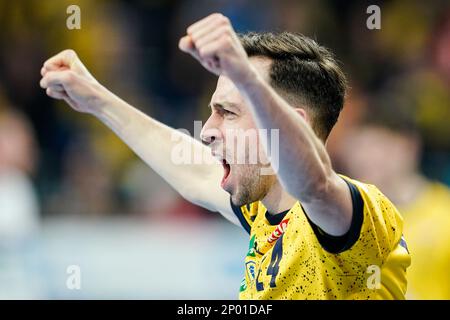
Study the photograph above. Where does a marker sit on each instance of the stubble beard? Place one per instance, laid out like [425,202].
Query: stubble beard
[252,186]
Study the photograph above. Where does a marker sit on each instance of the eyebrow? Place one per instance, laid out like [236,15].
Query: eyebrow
[224,105]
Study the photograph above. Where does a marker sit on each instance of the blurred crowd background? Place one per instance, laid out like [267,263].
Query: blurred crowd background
[60,170]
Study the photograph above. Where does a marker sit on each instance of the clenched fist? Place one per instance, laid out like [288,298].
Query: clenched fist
[214,43]
[64,77]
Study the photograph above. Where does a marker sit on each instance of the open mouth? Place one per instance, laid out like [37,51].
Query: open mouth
[226,172]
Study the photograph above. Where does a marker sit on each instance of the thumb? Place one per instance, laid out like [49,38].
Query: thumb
[186,44]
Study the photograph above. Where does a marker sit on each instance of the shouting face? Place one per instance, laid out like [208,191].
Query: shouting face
[235,140]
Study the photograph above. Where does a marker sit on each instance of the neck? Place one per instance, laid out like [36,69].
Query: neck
[277,199]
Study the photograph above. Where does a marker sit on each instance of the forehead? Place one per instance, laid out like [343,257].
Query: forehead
[227,91]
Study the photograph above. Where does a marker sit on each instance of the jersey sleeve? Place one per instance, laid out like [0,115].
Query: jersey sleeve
[338,244]
[375,230]
[246,214]
[381,228]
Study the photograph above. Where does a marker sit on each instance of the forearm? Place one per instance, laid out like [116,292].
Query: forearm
[185,163]
[154,142]
[301,154]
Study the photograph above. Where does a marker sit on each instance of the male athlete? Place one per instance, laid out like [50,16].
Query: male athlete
[313,233]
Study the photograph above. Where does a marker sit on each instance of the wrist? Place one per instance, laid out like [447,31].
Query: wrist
[247,82]
[111,110]
[100,99]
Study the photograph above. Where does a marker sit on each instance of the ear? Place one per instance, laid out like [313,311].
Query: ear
[302,113]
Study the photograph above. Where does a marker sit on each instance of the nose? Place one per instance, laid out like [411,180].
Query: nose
[208,140]
[210,131]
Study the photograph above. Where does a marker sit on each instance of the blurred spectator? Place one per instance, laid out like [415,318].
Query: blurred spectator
[386,150]
[86,187]
[150,196]
[441,45]
[19,208]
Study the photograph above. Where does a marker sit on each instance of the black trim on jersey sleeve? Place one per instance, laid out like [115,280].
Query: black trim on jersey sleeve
[238,213]
[339,244]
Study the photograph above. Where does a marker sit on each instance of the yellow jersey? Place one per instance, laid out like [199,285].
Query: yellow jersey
[291,258]
[427,226]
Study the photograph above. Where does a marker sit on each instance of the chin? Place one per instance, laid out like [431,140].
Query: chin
[248,188]
[229,189]
[241,198]
[235,200]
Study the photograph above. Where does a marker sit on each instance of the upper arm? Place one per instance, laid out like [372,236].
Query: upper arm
[331,209]
[338,244]
[381,228]
[375,228]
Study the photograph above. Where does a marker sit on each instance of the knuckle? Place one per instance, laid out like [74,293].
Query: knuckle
[205,53]
[226,41]
[202,52]
[194,37]
[227,31]
[70,52]
[47,63]
[70,56]
[224,20]
[68,77]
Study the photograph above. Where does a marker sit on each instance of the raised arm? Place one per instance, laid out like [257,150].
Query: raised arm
[65,77]
[303,166]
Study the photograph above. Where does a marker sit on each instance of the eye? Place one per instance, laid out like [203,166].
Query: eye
[228,113]
[220,110]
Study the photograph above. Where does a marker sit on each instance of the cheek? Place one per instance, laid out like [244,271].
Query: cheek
[245,174]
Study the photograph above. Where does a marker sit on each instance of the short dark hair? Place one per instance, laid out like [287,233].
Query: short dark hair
[302,71]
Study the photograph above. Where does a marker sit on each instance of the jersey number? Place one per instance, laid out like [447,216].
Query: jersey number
[274,265]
